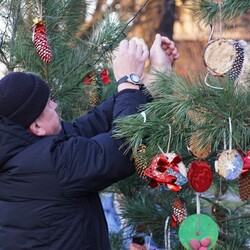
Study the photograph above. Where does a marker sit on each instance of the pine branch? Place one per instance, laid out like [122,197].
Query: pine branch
[205,10]
[189,107]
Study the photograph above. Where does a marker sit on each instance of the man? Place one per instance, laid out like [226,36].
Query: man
[51,171]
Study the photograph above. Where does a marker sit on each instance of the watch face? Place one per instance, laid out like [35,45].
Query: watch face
[135,78]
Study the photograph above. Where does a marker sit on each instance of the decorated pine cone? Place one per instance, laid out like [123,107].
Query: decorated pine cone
[195,147]
[140,160]
[40,41]
[237,66]
[244,186]
[179,210]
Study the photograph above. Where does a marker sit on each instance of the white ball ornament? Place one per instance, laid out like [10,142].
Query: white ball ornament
[229,164]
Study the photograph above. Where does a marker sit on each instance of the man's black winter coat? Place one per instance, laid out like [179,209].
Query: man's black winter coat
[49,185]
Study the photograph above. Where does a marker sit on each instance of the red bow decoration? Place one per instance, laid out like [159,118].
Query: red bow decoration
[157,172]
[90,78]
[246,161]
[105,76]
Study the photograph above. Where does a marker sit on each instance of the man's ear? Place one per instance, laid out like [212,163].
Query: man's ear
[36,129]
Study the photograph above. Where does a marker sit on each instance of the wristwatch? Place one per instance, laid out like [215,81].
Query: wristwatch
[132,78]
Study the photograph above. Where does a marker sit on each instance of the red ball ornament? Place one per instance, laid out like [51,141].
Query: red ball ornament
[200,176]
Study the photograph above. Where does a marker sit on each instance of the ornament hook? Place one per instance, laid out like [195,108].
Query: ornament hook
[143,113]
[214,87]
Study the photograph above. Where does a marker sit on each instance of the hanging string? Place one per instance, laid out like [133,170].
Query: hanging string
[220,21]
[214,87]
[40,9]
[167,234]
[211,33]
[169,139]
[230,133]
[224,139]
[198,211]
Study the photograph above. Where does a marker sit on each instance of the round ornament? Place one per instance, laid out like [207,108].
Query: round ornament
[198,231]
[229,164]
[196,148]
[219,56]
[200,176]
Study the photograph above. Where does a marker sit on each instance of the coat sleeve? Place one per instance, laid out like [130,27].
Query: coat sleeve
[97,120]
[85,165]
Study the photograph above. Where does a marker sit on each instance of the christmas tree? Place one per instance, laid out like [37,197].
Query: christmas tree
[200,123]
[187,117]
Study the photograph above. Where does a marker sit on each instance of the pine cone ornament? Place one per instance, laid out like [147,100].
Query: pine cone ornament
[238,61]
[196,149]
[244,186]
[40,41]
[140,160]
[94,93]
[179,210]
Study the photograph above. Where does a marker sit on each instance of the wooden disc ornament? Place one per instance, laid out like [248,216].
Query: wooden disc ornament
[219,56]
[200,176]
[229,164]
[198,231]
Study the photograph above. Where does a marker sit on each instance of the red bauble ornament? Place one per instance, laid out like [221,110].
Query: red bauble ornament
[200,176]
[40,41]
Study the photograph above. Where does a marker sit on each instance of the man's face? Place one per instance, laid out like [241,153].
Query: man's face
[49,119]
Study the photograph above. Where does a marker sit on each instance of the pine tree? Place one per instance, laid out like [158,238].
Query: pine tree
[199,119]
[178,111]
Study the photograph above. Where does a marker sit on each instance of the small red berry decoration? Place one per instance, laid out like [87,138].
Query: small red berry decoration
[40,40]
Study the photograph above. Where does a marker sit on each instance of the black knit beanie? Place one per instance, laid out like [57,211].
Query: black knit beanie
[23,97]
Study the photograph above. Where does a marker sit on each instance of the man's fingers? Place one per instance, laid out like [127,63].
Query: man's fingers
[123,44]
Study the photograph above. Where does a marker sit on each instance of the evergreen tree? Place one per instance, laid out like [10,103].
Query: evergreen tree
[181,107]
[198,119]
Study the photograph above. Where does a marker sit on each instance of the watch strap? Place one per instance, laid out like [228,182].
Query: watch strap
[127,78]
[122,80]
